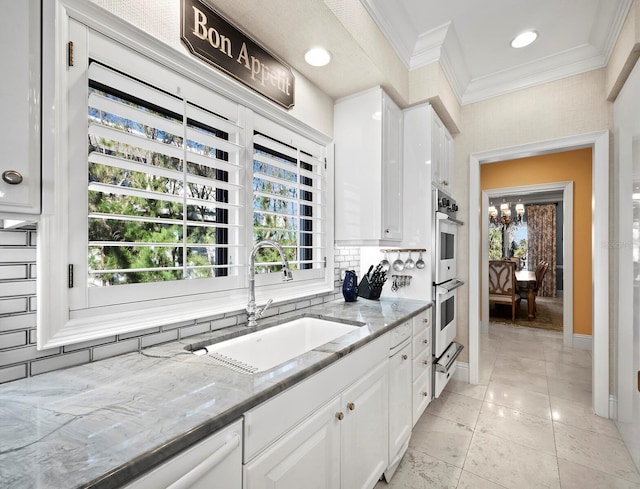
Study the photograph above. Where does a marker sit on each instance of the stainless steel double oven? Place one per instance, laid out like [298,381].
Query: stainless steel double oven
[446,286]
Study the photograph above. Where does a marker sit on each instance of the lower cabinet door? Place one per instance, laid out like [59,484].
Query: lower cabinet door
[400,401]
[421,394]
[214,462]
[306,457]
[365,429]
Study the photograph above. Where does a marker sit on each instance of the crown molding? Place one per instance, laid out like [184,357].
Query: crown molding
[568,63]
[401,40]
[441,44]
[611,36]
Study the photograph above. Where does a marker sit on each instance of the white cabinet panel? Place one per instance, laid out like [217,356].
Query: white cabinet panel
[214,462]
[20,102]
[368,173]
[364,430]
[442,155]
[308,456]
[400,401]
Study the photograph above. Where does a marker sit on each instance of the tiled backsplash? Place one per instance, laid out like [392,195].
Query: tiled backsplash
[19,357]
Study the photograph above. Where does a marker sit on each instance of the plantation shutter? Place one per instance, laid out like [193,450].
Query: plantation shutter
[164,185]
[289,198]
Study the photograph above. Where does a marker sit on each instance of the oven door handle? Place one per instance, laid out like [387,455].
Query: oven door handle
[443,216]
[446,287]
[445,368]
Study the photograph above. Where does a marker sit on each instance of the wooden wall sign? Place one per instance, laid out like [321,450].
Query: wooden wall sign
[210,37]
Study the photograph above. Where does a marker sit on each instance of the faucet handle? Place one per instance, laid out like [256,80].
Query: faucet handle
[260,312]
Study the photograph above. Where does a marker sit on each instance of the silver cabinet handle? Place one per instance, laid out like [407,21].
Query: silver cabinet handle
[12,177]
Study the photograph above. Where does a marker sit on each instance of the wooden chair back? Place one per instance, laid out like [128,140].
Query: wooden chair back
[502,284]
[502,277]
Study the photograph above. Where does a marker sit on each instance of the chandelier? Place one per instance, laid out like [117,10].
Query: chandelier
[505,220]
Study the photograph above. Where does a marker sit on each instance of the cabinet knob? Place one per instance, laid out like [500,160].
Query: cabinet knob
[386,231]
[425,393]
[404,357]
[426,363]
[12,177]
[425,320]
[339,415]
[426,342]
[351,406]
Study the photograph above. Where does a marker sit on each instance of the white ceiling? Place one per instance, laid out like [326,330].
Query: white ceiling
[471,39]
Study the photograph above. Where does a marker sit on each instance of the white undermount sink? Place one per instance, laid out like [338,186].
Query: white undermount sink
[264,349]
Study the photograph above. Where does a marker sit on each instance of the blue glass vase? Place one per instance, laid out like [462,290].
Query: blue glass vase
[350,286]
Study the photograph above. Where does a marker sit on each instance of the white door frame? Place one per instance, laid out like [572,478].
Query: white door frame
[567,250]
[599,142]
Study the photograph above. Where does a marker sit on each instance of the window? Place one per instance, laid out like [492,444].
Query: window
[289,199]
[162,187]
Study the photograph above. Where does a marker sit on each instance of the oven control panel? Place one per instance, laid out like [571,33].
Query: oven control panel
[445,203]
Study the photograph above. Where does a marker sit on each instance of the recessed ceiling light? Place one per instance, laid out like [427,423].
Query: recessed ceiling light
[524,39]
[317,56]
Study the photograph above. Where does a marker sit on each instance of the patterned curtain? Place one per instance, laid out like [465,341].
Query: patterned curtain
[541,235]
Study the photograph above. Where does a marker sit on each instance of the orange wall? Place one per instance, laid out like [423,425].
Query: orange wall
[567,166]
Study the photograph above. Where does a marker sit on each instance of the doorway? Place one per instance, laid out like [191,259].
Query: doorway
[599,142]
[561,194]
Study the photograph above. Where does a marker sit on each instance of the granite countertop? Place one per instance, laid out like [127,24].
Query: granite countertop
[102,424]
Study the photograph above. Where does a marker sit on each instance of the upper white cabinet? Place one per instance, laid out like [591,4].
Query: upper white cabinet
[20,102]
[368,174]
[442,155]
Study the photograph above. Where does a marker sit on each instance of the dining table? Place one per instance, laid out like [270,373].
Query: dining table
[526,279]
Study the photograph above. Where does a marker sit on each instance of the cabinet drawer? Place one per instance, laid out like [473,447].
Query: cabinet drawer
[421,321]
[422,342]
[421,394]
[270,420]
[421,363]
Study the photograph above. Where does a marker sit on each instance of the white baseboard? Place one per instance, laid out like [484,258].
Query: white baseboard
[462,372]
[583,341]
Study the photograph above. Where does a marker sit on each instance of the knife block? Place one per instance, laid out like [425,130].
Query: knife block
[368,290]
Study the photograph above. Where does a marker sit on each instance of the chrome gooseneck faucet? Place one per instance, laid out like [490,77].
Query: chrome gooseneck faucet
[254,312]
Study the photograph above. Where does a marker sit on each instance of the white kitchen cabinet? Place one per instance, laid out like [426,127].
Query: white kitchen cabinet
[214,462]
[421,364]
[364,430]
[442,155]
[400,405]
[329,431]
[20,102]
[368,169]
[307,456]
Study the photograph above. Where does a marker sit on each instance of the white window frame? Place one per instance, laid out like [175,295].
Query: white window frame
[56,325]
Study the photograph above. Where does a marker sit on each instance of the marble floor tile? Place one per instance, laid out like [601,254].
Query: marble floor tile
[501,434]
[457,408]
[472,481]
[420,471]
[510,464]
[515,362]
[602,453]
[442,439]
[519,399]
[573,390]
[581,416]
[575,476]
[526,429]
[569,356]
[521,379]
[466,389]
[556,370]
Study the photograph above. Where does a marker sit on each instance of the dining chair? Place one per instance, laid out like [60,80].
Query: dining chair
[502,285]
[541,270]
